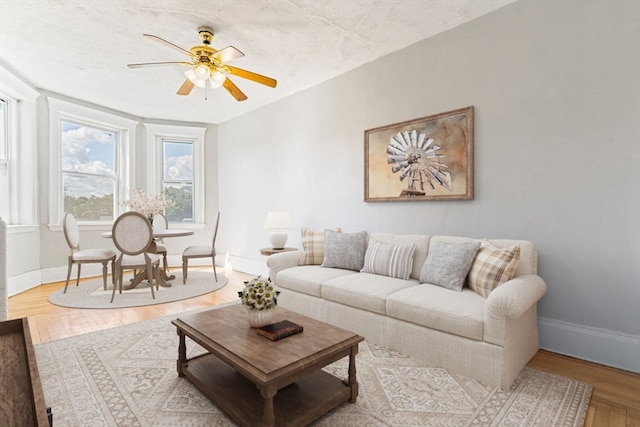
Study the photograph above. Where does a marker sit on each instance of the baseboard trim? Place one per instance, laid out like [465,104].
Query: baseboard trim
[602,346]
[23,282]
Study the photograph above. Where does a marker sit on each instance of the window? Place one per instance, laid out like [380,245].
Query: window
[18,153]
[88,163]
[5,173]
[177,180]
[178,170]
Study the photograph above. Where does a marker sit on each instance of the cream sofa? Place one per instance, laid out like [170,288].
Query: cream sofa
[490,339]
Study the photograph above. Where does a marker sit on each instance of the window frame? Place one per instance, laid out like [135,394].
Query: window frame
[157,134]
[7,202]
[125,129]
[22,152]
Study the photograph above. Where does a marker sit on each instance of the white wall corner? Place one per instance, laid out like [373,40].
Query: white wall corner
[602,346]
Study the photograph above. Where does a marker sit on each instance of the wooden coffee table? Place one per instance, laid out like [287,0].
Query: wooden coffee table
[257,381]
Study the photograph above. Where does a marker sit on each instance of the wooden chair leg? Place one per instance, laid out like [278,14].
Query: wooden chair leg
[152,275]
[78,278]
[115,283]
[104,275]
[68,275]
[185,267]
[215,275]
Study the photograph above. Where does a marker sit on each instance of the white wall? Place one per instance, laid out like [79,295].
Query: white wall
[557,99]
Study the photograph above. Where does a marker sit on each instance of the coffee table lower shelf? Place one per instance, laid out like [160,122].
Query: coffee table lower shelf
[297,404]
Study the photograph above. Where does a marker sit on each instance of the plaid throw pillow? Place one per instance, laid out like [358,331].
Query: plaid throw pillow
[313,246]
[389,260]
[492,267]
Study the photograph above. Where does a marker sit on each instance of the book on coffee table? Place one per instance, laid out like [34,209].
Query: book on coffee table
[279,330]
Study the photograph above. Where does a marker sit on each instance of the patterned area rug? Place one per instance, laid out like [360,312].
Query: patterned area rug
[126,376]
[90,293]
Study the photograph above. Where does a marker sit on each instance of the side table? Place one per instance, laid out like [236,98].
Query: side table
[271,251]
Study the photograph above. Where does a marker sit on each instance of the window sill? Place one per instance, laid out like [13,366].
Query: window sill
[17,229]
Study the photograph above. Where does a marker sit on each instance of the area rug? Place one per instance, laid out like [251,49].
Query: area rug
[90,293]
[127,376]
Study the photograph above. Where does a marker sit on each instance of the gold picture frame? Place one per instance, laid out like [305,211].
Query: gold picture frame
[430,158]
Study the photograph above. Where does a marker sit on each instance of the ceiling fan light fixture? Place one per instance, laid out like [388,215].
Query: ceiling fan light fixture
[193,77]
[203,72]
[217,78]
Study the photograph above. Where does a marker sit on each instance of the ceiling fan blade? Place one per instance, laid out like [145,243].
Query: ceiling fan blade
[234,90]
[153,64]
[166,43]
[227,54]
[186,87]
[258,78]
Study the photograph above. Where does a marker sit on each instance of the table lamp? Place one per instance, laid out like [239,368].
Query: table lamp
[278,223]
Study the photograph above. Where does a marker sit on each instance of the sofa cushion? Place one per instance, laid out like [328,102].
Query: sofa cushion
[420,240]
[363,290]
[459,313]
[448,264]
[344,250]
[492,267]
[389,260]
[308,279]
[313,246]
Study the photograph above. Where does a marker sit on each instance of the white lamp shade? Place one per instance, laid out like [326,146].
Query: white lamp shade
[277,221]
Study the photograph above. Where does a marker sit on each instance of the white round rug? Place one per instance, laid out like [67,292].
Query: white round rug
[90,294]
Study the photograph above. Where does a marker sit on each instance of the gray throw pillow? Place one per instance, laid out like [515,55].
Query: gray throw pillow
[448,264]
[344,250]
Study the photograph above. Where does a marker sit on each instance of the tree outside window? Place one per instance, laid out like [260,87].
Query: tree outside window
[88,157]
[177,179]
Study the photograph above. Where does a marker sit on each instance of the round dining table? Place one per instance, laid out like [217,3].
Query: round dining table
[157,234]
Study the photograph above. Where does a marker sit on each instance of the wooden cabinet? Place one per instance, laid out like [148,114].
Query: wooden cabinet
[21,397]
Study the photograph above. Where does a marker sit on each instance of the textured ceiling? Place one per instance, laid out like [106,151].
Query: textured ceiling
[80,48]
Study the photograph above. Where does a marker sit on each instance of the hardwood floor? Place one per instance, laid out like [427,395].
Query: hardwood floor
[615,401]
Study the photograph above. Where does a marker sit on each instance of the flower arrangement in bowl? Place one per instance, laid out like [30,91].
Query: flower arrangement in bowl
[260,297]
[147,204]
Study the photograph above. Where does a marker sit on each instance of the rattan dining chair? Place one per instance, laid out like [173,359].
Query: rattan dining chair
[85,256]
[201,252]
[132,234]
[160,223]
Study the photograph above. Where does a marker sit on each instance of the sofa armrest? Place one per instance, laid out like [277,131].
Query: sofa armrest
[513,298]
[281,261]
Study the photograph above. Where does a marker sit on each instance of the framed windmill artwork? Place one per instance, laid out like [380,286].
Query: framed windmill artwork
[430,158]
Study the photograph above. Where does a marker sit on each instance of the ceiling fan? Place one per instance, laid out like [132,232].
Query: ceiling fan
[209,66]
